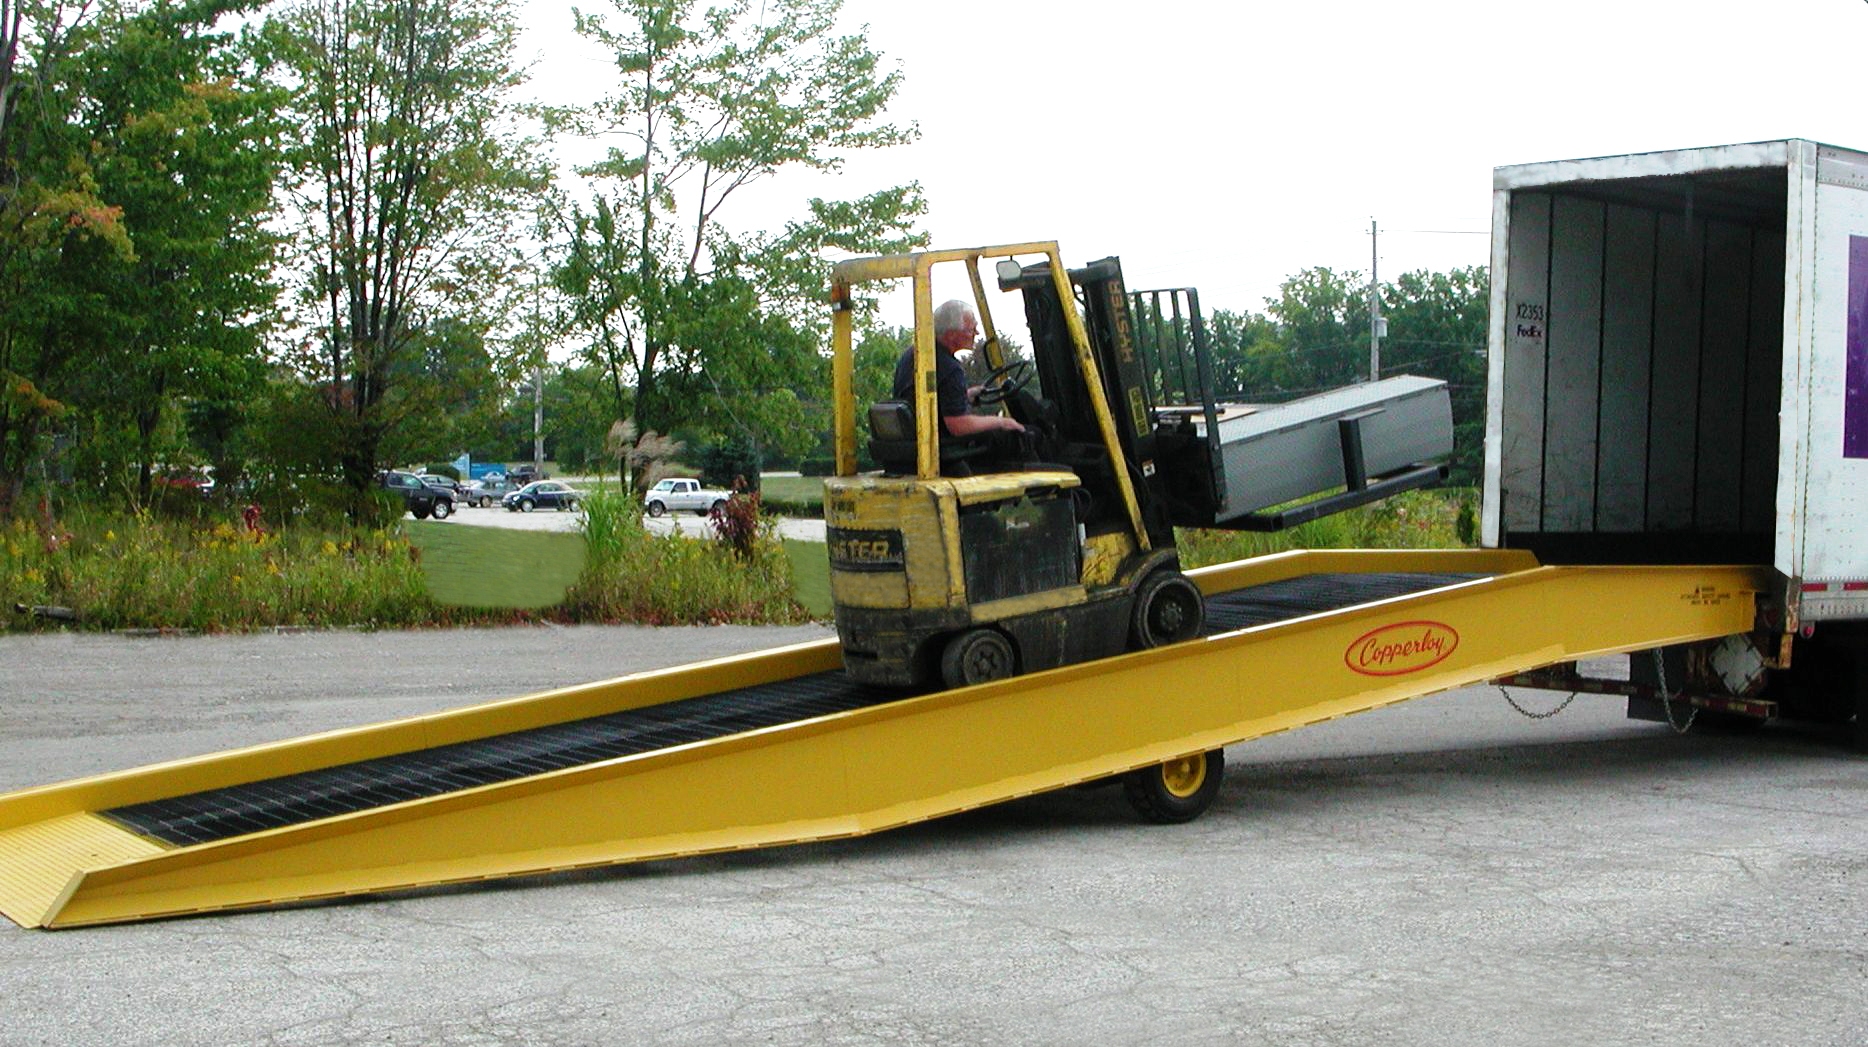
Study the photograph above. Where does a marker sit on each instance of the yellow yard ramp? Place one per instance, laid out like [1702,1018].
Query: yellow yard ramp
[882,762]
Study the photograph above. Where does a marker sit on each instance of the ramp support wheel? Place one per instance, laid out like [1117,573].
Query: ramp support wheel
[1179,790]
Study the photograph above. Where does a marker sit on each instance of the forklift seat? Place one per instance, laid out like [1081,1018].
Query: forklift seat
[893,447]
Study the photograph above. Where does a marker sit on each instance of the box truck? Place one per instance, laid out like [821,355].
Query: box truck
[1679,375]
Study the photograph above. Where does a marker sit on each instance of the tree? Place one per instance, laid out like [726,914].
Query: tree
[1437,328]
[187,153]
[48,202]
[1322,318]
[410,174]
[712,101]
[136,165]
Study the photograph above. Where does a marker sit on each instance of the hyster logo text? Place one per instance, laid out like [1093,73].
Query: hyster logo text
[1401,648]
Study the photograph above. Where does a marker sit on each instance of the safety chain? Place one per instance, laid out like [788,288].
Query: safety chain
[1522,711]
[1666,701]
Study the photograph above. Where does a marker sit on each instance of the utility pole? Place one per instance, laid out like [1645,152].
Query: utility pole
[538,417]
[538,396]
[1377,325]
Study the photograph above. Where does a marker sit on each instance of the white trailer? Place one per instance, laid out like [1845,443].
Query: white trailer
[1679,372]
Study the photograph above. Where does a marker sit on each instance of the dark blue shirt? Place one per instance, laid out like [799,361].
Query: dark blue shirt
[950,375]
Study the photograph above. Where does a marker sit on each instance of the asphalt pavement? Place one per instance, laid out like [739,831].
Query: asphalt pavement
[1446,871]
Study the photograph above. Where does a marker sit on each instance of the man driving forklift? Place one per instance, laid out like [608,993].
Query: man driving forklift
[955,328]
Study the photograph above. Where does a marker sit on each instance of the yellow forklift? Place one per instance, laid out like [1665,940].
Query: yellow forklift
[964,560]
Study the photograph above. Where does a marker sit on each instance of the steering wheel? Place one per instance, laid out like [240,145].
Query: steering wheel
[1004,382]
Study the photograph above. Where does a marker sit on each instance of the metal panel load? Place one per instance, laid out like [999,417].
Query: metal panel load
[1272,454]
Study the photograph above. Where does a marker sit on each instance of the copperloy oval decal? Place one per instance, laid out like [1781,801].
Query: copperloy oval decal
[1401,648]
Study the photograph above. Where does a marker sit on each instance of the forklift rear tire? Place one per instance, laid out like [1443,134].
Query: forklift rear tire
[1168,609]
[976,656]
[1178,790]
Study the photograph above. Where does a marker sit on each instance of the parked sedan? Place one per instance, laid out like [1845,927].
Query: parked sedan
[488,492]
[542,494]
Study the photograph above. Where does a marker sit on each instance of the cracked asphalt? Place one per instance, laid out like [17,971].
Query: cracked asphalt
[1441,872]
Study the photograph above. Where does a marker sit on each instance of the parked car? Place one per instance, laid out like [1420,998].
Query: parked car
[488,491]
[680,493]
[194,481]
[543,494]
[442,483]
[420,499]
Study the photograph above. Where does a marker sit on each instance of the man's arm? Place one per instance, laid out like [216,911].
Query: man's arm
[968,424]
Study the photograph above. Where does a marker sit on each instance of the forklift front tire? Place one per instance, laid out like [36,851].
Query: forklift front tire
[1168,609]
[976,656]
[1178,790]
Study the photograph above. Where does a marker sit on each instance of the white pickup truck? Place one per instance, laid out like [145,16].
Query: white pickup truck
[673,494]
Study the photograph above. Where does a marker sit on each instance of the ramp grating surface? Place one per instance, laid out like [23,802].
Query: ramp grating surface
[237,810]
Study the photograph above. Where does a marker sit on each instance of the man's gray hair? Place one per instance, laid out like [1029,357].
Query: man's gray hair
[949,315]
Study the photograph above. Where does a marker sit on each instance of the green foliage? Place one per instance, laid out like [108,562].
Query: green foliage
[408,176]
[692,324]
[631,575]
[1426,519]
[731,465]
[136,161]
[119,571]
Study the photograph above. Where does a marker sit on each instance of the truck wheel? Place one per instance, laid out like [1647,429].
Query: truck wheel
[719,505]
[486,503]
[1168,609]
[442,508]
[525,505]
[570,505]
[1178,790]
[657,508]
[976,656]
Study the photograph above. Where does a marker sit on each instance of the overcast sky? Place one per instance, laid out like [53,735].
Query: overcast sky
[1229,145]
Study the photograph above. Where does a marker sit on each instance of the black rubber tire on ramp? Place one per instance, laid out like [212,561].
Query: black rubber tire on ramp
[976,656]
[1168,609]
[1179,790]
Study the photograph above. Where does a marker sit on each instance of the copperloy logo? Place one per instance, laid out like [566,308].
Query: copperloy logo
[1401,648]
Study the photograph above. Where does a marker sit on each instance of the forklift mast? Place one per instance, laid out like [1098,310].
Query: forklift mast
[1150,384]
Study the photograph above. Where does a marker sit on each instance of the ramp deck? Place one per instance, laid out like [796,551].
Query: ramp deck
[780,747]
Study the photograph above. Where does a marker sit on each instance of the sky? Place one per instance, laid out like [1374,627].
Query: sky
[1227,146]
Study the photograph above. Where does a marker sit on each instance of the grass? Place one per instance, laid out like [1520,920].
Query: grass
[492,567]
[792,490]
[810,575]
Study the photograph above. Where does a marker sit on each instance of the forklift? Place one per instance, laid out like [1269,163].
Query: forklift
[962,560]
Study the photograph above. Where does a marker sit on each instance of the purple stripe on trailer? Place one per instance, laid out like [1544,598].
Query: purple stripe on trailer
[1855,392]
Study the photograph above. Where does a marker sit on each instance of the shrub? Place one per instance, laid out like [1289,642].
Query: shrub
[732,464]
[631,575]
[118,571]
[817,467]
